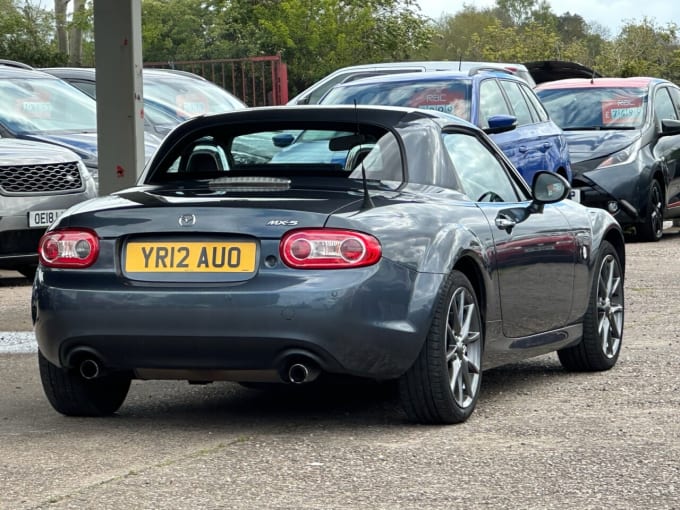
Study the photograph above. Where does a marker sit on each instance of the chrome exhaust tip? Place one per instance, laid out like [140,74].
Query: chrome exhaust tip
[299,373]
[89,369]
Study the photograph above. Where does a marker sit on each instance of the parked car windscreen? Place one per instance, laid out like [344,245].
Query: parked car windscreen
[190,96]
[40,105]
[447,96]
[596,108]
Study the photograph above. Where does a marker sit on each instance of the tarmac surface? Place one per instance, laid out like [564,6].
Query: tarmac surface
[540,437]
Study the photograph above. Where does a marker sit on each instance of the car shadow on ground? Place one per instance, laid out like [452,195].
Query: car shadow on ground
[12,279]
[336,402]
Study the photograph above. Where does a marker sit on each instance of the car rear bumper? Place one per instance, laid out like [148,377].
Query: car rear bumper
[19,241]
[368,322]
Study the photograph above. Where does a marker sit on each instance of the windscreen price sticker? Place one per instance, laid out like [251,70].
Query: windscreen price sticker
[43,218]
[35,108]
[622,111]
[193,104]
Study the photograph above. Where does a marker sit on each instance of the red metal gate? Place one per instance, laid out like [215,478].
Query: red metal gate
[257,81]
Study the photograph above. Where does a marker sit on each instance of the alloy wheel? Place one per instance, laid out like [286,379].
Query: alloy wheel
[610,306]
[656,211]
[463,347]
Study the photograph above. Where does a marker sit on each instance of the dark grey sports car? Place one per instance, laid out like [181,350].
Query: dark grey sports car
[420,255]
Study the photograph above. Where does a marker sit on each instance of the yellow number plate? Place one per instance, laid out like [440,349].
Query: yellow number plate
[183,257]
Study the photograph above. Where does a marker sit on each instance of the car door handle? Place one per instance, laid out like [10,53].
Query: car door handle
[523,148]
[546,146]
[505,223]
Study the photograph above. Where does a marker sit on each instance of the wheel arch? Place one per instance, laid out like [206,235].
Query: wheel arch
[616,239]
[471,269]
[561,171]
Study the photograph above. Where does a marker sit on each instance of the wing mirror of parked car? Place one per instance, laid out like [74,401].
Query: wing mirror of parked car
[500,124]
[546,188]
[670,127]
[549,187]
[282,140]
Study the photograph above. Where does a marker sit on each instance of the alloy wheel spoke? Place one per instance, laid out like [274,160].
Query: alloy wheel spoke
[450,342]
[466,379]
[457,381]
[459,311]
[604,330]
[472,366]
[615,287]
[615,324]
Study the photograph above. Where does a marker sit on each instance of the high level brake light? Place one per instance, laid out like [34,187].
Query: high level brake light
[329,249]
[68,248]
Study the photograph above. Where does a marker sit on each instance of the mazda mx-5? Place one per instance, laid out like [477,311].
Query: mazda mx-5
[421,257]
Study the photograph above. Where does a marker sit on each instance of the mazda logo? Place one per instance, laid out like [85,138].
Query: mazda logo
[187,220]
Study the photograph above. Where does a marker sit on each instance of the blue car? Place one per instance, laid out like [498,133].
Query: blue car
[500,103]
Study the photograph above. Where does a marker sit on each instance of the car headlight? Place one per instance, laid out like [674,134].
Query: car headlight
[621,157]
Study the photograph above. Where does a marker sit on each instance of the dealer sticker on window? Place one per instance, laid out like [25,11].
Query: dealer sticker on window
[43,218]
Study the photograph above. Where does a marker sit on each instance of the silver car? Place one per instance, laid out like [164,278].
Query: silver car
[38,182]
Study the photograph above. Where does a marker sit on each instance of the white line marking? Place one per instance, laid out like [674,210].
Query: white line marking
[13,342]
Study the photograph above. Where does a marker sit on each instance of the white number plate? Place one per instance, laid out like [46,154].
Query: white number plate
[575,195]
[43,218]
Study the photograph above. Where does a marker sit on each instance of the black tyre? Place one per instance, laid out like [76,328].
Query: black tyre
[72,395]
[443,384]
[603,323]
[651,228]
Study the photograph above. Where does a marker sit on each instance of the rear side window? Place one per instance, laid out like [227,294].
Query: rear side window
[482,176]
[663,106]
[535,102]
[518,102]
[675,96]
[491,102]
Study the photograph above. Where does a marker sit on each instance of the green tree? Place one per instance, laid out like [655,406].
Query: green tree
[453,38]
[316,37]
[176,29]
[518,12]
[27,34]
[517,44]
[642,49]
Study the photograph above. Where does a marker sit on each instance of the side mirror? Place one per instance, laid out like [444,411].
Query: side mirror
[546,188]
[500,124]
[282,140]
[670,127]
[549,187]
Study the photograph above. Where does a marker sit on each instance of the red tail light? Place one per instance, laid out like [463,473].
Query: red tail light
[329,249]
[68,248]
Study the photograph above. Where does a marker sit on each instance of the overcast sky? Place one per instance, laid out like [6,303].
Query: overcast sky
[609,13]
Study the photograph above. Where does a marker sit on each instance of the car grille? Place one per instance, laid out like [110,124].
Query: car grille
[50,178]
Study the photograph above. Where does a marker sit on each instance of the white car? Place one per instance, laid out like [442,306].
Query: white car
[38,182]
[313,94]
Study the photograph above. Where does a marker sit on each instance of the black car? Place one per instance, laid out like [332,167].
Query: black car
[425,257]
[624,142]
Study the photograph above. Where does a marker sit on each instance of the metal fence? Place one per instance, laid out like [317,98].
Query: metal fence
[257,81]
